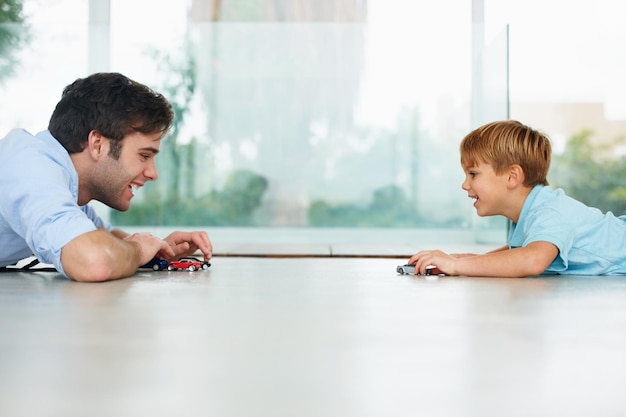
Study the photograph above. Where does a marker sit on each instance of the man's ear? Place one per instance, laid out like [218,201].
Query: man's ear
[97,145]
[516,175]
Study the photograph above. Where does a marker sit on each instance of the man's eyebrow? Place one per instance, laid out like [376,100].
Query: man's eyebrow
[150,149]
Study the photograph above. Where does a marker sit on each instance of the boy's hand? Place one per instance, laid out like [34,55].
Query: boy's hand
[442,262]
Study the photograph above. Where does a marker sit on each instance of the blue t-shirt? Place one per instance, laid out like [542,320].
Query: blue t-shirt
[590,242]
[39,213]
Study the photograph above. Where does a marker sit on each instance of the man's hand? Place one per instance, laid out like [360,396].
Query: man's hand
[149,246]
[185,244]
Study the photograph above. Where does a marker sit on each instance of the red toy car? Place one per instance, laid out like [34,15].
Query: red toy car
[190,264]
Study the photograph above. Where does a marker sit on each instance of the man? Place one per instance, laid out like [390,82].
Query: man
[100,144]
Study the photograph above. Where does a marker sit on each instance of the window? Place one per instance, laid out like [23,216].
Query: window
[566,79]
[343,114]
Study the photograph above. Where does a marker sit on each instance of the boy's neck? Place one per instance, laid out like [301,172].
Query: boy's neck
[518,197]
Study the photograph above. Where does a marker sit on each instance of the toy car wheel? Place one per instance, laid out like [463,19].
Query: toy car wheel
[170,268]
[156,267]
[192,268]
[205,266]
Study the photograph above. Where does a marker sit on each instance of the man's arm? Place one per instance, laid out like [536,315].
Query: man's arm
[101,255]
[518,262]
[119,233]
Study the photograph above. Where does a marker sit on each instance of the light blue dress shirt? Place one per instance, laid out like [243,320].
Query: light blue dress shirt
[39,213]
[590,242]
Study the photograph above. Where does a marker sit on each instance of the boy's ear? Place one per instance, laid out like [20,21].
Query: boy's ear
[97,145]
[516,175]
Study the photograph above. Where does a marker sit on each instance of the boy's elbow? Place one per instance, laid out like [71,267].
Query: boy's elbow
[538,256]
[536,269]
[536,266]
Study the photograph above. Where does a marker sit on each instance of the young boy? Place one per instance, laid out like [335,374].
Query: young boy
[506,164]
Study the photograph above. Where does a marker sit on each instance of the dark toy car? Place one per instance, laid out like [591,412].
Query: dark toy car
[190,264]
[156,264]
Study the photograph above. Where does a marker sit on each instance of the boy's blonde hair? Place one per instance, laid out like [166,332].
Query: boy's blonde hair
[504,143]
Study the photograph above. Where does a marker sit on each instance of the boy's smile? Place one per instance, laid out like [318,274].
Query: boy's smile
[486,188]
[496,194]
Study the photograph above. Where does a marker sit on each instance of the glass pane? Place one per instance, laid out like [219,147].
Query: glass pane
[51,53]
[567,75]
[491,102]
[353,121]
[338,114]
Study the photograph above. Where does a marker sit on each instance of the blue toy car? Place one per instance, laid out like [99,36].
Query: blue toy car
[156,264]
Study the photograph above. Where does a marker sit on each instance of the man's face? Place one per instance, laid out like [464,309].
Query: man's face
[112,180]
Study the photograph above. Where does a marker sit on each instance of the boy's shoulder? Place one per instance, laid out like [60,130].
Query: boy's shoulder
[557,197]
[545,202]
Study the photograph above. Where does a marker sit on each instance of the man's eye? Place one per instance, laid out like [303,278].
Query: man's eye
[145,156]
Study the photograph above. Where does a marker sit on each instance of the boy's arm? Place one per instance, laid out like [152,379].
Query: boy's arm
[101,255]
[466,255]
[501,248]
[518,262]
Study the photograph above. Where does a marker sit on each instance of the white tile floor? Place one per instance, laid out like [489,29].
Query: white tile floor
[311,337]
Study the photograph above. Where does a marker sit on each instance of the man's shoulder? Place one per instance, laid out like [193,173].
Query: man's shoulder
[15,136]
[20,148]
[17,131]
[19,139]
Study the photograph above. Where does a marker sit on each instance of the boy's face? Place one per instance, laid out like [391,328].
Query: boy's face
[488,189]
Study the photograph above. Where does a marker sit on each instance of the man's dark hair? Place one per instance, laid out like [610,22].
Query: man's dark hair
[111,104]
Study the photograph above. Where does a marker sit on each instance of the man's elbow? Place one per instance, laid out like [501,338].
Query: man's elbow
[95,267]
[92,273]
[97,256]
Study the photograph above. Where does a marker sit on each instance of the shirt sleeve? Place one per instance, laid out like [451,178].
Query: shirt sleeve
[97,220]
[44,211]
[547,224]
